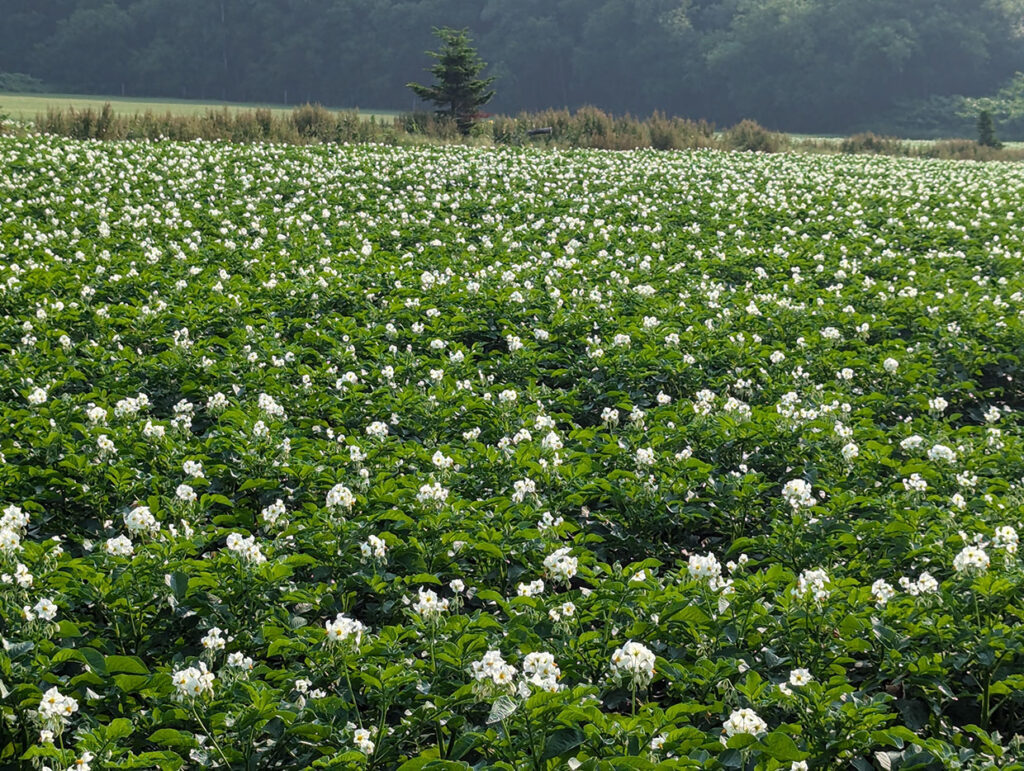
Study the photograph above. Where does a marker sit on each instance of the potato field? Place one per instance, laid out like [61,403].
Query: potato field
[368,457]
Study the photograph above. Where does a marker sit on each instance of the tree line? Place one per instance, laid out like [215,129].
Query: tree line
[797,65]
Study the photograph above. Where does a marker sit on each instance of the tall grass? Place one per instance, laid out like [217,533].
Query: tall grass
[587,127]
[305,125]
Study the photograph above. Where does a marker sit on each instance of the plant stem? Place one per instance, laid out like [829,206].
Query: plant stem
[433,660]
[508,743]
[209,733]
[352,692]
[533,747]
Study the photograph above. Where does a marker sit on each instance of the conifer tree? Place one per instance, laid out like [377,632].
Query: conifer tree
[987,131]
[457,91]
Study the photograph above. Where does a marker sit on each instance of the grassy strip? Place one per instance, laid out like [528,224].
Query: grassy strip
[588,127]
[24,107]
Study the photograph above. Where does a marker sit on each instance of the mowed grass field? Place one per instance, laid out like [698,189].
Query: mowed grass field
[28,106]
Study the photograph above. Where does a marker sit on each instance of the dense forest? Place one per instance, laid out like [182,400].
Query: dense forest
[799,65]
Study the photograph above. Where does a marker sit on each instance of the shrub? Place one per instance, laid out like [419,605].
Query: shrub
[428,124]
[873,144]
[966,150]
[264,118]
[751,135]
[588,127]
[312,121]
[671,133]
[80,124]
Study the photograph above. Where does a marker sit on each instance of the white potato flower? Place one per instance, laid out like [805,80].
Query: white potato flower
[971,559]
[744,721]
[560,565]
[344,630]
[55,709]
[193,682]
[340,497]
[635,662]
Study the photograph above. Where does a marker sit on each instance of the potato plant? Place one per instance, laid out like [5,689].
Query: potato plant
[444,458]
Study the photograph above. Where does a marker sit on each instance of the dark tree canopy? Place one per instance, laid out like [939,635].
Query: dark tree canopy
[457,90]
[987,130]
[809,65]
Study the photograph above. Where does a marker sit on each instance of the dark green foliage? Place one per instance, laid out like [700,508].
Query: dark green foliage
[815,66]
[934,117]
[20,83]
[458,91]
[987,131]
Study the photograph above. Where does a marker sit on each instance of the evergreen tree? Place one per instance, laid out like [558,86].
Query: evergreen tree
[458,91]
[987,131]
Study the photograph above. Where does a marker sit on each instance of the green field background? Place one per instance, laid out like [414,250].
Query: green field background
[27,106]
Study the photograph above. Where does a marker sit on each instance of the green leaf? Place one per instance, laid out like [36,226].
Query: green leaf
[165,761]
[283,644]
[119,728]
[502,709]
[131,683]
[19,649]
[67,628]
[741,741]
[129,665]
[68,654]
[311,731]
[562,741]
[782,747]
[95,661]
[220,500]
[464,743]
[179,585]
[172,737]
[983,736]
[42,751]
[257,484]
[416,764]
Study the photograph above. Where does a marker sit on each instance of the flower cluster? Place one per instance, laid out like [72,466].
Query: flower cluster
[798,494]
[813,584]
[193,682]
[55,709]
[340,497]
[633,662]
[493,675]
[560,565]
[428,606]
[744,721]
[246,547]
[345,630]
